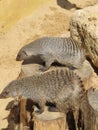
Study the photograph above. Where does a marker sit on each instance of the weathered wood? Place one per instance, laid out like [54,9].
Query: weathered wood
[46,120]
[87,115]
[50,121]
[23,114]
[93,101]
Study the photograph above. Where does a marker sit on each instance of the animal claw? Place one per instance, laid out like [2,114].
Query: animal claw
[42,68]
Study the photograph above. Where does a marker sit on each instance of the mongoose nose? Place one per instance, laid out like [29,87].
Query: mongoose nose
[3,95]
[18,58]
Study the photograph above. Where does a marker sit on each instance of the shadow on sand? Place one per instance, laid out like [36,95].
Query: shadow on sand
[66,4]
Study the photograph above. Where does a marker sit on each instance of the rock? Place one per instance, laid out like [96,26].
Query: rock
[84,29]
[86,71]
[93,99]
[83,3]
[69,4]
[49,121]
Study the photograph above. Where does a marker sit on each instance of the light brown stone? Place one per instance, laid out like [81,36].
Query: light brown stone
[83,3]
[84,29]
[47,121]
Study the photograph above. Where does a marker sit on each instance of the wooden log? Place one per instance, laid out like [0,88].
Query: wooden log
[93,102]
[50,121]
[46,120]
[87,115]
[25,114]
[93,99]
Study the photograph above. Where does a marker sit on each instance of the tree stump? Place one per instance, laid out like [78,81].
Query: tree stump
[46,120]
[93,101]
[50,121]
[23,114]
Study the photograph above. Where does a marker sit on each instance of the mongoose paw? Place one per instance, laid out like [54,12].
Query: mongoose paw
[71,67]
[38,111]
[53,109]
[42,68]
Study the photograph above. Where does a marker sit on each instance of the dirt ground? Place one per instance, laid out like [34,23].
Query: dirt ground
[50,19]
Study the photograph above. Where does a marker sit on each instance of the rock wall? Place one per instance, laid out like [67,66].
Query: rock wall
[84,29]
[84,3]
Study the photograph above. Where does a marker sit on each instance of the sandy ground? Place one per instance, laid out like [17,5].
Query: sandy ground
[50,19]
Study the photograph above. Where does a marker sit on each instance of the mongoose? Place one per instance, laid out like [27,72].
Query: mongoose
[61,86]
[53,49]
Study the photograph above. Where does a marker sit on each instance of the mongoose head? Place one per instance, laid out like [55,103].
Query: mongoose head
[22,55]
[25,53]
[9,91]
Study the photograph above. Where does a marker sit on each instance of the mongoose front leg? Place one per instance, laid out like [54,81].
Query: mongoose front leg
[41,107]
[46,67]
[43,68]
[53,109]
[48,59]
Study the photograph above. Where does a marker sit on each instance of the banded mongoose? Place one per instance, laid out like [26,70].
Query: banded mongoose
[53,49]
[61,86]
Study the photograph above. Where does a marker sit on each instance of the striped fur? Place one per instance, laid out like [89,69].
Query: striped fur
[54,49]
[60,85]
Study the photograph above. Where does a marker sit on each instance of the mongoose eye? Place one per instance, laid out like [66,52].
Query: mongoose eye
[24,53]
